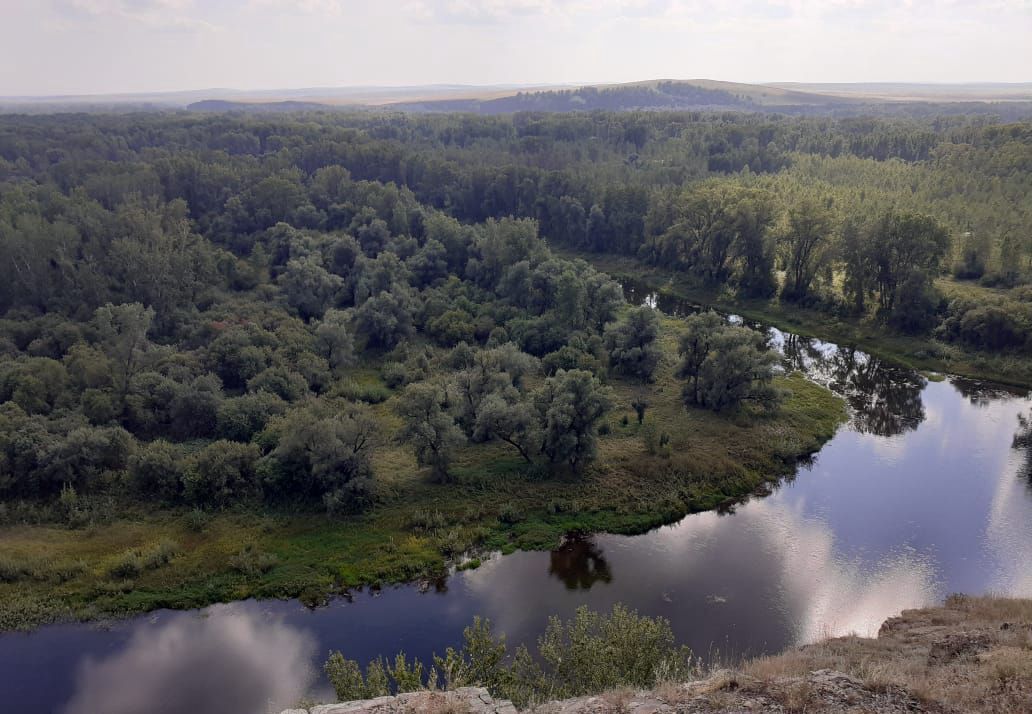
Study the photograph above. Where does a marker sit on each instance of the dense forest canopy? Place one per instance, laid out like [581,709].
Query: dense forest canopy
[208,306]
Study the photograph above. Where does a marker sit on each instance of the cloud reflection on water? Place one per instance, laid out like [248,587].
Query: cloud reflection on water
[233,659]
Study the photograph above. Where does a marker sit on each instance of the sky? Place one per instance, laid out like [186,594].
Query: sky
[111,46]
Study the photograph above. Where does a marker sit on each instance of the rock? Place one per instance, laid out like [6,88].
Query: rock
[467,700]
[956,646]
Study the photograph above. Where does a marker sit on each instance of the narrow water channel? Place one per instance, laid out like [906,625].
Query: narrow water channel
[921,495]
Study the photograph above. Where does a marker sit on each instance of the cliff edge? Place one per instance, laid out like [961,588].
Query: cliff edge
[973,654]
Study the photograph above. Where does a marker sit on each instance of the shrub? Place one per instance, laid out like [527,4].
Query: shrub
[240,418]
[394,374]
[282,382]
[589,654]
[424,519]
[196,520]
[511,514]
[223,474]
[252,562]
[133,562]
[155,472]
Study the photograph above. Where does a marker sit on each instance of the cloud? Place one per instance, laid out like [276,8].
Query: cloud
[163,15]
[232,660]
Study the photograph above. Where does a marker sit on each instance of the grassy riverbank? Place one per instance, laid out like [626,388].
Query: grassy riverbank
[872,336]
[141,561]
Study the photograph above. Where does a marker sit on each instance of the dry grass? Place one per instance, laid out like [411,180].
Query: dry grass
[440,703]
[973,655]
[616,701]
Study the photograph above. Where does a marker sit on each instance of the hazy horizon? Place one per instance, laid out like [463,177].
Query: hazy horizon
[91,47]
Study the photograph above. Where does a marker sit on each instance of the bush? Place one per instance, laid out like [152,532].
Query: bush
[424,519]
[156,473]
[240,418]
[990,328]
[394,374]
[282,382]
[223,474]
[252,562]
[511,514]
[133,562]
[589,654]
[196,520]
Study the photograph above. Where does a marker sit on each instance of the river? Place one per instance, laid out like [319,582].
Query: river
[920,495]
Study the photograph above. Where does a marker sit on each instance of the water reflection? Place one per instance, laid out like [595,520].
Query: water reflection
[232,660]
[983,393]
[579,563]
[1022,443]
[884,400]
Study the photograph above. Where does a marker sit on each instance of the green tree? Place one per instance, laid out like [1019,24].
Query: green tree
[334,341]
[123,333]
[223,474]
[506,416]
[806,247]
[569,406]
[309,287]
[631,344]
[725,364]
[156,472]
[385,319]
[425,409]
[326,454]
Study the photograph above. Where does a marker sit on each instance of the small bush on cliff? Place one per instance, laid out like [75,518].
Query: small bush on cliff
[591,653]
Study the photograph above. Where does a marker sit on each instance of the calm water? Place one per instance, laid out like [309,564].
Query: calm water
[919,496]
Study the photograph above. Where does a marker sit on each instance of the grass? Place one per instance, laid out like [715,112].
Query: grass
[917,352]
[974,655]
[417,528]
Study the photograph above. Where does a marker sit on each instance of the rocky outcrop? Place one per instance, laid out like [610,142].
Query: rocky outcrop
[820,691]
[724,692]
[467,700]
[971,655]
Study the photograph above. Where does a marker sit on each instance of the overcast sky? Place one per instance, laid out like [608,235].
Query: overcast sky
[102,46]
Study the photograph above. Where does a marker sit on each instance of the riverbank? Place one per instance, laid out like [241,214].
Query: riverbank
[140,561]
[920,353]
[973,654]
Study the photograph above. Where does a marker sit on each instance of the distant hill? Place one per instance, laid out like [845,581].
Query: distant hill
[659,94]
[222,105]
[1009,102]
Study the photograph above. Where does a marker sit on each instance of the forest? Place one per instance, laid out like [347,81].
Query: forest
[289,354]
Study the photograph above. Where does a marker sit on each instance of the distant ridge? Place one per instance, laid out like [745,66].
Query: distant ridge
[1006,101]
[222,105]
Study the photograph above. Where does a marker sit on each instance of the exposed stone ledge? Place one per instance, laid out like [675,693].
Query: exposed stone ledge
[827,691]
[466,700]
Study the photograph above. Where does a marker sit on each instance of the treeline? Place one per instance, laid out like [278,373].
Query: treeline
[140,358]
[137,349]
[209,310]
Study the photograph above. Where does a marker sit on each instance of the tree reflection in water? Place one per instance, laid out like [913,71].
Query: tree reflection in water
[1023,442]
[579,563]
[885,400]
[981,394]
